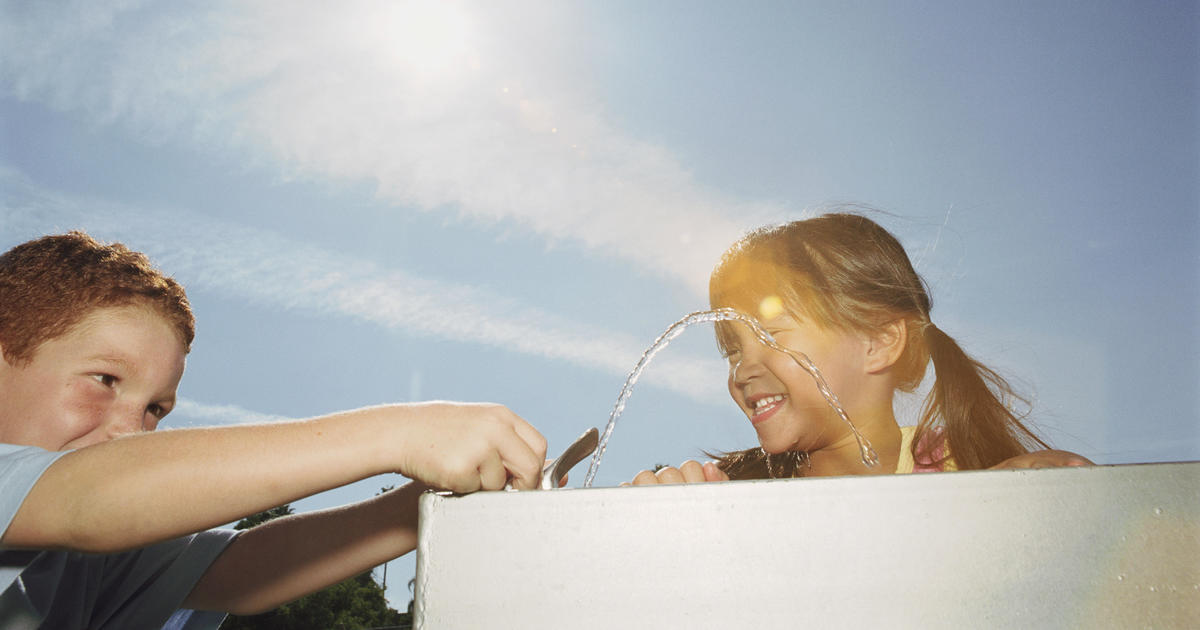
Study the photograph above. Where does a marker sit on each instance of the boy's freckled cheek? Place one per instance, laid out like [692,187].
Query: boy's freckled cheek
[83,410]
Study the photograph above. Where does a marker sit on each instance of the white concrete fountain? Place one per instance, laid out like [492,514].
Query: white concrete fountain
[1097,547]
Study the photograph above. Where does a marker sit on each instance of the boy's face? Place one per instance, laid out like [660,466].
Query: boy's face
[115,372]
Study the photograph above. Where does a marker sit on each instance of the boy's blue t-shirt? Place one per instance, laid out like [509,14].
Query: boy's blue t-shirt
[61,589]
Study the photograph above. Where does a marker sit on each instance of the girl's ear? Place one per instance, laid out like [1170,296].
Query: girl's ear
[885,346]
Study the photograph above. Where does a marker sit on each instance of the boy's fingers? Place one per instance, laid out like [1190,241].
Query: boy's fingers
[523,478]
[530,435]
[492,475]
[525,460]
[521,461]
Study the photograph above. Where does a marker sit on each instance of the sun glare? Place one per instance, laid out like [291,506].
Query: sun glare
[770,308]
[426,38]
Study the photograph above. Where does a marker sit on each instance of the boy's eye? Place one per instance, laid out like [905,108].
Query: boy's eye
[107,380]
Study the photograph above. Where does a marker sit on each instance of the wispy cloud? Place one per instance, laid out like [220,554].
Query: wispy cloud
[262,266]
[190,413]
[445,106]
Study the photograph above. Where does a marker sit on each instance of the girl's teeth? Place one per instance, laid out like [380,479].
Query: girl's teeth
[769,400]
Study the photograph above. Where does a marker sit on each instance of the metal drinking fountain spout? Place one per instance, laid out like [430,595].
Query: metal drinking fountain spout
[554,472]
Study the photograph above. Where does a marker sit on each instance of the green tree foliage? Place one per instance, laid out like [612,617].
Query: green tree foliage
[354,604]
[263,517]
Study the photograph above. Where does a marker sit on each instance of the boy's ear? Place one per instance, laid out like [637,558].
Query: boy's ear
[885,346]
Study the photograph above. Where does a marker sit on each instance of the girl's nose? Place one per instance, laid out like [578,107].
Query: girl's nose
[748,367]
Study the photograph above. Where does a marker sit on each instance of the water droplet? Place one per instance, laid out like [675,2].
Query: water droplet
[1153,589]
[1121,578]
[1158,511]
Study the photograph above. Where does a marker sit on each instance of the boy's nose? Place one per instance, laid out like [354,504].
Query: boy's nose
[124,420]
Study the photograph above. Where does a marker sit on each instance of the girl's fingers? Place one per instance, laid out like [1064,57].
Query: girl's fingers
[1044,459]
[688,472]
[692,472]
[645,478]
[668,474]
[712,473]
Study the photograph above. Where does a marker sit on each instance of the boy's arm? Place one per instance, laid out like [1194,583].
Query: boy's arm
[141,489]
[289,557]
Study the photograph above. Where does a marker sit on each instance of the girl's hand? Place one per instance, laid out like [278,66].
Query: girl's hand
[688,472]
[464,447]
[1044,459]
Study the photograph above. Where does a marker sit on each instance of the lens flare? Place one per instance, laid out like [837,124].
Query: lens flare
[769,308]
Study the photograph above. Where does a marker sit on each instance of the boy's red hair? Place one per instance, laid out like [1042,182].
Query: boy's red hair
[49,284]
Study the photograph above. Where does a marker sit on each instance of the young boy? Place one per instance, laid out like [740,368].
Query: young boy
[106,524]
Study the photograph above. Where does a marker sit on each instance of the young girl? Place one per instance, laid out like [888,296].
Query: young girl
[841,289]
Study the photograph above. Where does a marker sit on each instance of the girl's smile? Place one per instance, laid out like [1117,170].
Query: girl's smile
[765,406]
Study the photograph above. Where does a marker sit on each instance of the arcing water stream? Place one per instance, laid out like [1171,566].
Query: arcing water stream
[869,457]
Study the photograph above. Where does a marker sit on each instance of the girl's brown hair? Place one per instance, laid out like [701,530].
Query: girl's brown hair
[846,272]
[49,284]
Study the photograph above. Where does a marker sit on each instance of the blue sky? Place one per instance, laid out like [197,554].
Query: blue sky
[508,202]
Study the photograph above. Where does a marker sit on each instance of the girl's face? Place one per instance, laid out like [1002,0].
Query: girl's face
[779,397]
[115,372]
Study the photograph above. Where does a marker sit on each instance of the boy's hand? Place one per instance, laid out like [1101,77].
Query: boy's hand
[688,472]
[464,447]
[1044,459]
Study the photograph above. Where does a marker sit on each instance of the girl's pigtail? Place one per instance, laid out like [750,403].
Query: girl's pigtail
[971,401]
